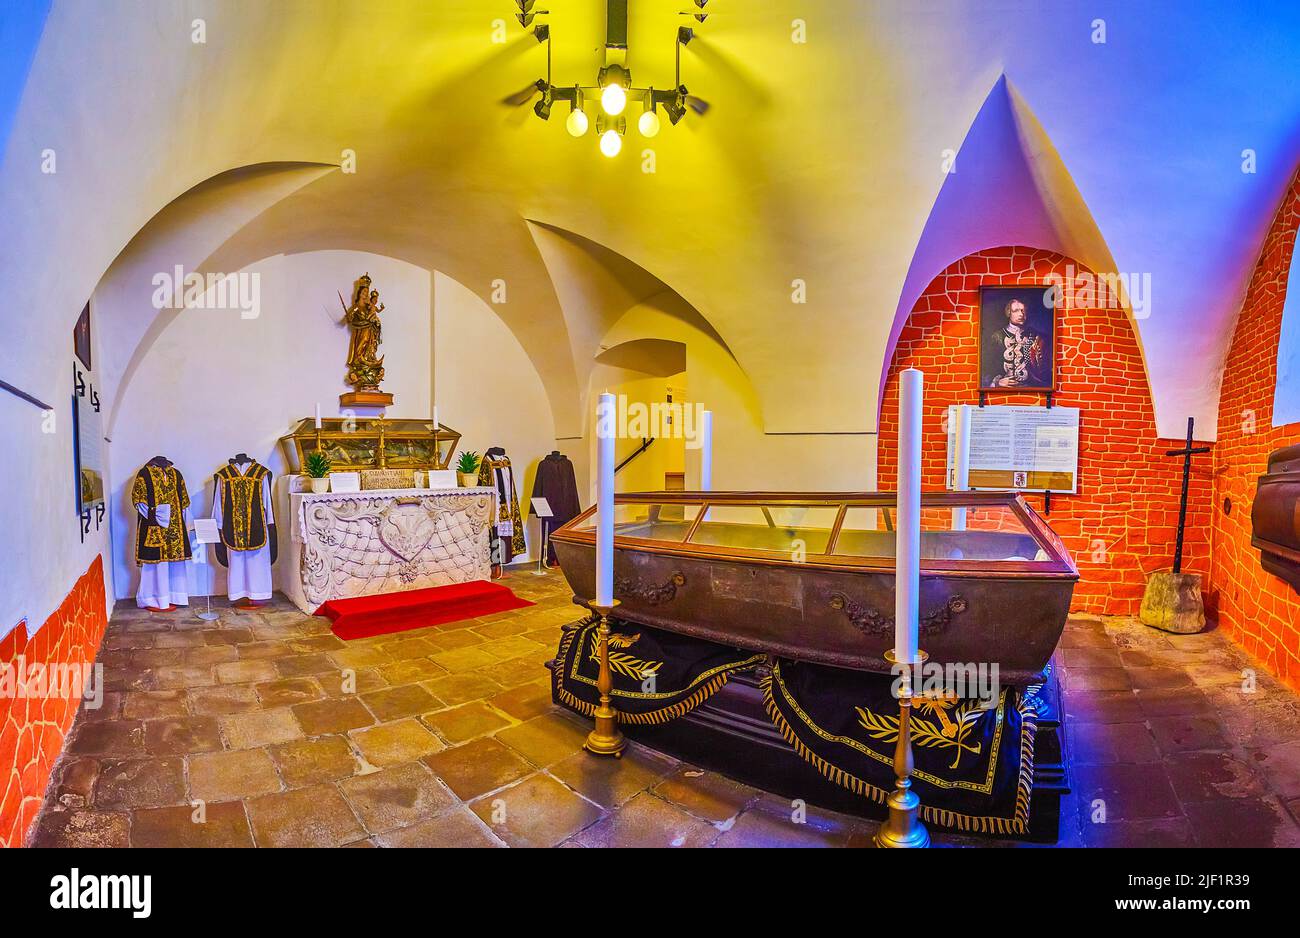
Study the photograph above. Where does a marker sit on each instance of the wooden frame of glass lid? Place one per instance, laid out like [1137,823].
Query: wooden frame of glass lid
[811,575]
[1049,558]
[371,443]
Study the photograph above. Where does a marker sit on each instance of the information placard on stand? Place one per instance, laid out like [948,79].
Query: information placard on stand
[1019,449]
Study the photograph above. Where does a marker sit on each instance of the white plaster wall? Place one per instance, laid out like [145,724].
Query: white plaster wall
[488,390]
[44,551]
[216,384]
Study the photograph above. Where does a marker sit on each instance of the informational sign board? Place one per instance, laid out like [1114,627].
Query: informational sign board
[206,531]
[542,508]
[1019,449]
[442,479]
[345,482]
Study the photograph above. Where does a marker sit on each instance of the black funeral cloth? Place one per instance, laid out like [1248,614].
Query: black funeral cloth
[973,763]
[658,675]
[555,482]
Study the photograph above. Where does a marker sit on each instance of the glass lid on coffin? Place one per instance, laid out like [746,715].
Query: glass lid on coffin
[987,533]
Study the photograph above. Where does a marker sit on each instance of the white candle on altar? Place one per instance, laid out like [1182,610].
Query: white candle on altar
[907,524]
[318,415]
[706,451]
[961,463]
[436,425]
[606,428]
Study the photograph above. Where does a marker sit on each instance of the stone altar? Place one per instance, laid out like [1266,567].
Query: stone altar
[347,544]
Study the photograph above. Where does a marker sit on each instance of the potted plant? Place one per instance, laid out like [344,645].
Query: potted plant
[317,468]
[467,469]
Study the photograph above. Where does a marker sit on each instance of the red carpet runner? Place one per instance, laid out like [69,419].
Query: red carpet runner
[363,616]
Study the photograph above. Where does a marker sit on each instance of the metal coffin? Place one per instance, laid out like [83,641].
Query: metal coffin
[1275,516]
[811,576]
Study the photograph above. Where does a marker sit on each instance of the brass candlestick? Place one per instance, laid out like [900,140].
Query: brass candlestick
[903,828]
[605,739]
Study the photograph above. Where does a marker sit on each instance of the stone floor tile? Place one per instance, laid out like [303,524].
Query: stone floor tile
[1279,765]
[392,703]
[535,812]
[611,782]
[110,738]
[223,699]
[349,683]
[525,701]
[410,671]
[288,691]
[153,704]
[81,829]
[392,743]
[209,825]
[72,783]
[246,672]
[1210,776]
[707,795]
[459,724]
[305,817]
[1099,743]
[139,783]
[232,776]
[1243,822]
[458,827]
[1184,733]
[305,665]
[647,821]
[307,762]
[260,728]
[181,735]
[332,715]
[455,689]
[1169,832]
[478,767]
[396,797]
[460,660]
[1126,791]
[546,739]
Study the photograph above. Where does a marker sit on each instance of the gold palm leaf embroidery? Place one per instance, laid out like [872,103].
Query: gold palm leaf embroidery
[927,734]
[638,669]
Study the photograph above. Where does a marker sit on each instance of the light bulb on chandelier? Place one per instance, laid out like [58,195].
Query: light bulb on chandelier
[613,99]
[611,143]
[576,122]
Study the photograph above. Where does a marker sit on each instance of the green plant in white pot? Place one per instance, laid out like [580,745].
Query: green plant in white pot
[467,469]
[317,468]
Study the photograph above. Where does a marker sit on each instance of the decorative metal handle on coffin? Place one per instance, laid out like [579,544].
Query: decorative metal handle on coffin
[870,622]
[648,593]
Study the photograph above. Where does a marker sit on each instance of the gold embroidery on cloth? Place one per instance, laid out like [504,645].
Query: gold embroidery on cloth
[167,490]
[241,490]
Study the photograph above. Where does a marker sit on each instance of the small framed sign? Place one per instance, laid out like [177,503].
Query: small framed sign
[345,481]
[542,508]
[442,479]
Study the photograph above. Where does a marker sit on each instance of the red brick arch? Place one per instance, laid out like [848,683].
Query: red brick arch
[1122,523]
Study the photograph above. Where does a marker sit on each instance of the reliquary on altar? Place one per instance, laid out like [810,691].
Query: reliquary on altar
[369,443]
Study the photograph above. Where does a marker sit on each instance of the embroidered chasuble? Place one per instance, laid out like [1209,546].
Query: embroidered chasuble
[160,496]
[242,505]
[242,509]
[507,534]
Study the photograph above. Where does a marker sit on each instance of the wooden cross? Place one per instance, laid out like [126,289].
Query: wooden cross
[1187,452]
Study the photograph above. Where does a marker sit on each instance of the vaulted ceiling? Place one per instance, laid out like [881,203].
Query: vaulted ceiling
[821,162]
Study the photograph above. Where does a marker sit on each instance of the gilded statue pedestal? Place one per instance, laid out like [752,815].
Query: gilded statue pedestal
[365,399]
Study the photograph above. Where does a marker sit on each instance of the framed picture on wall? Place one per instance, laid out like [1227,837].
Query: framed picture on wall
[1017,334]
[81,338]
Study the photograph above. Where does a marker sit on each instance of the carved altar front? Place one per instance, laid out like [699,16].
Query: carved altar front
[384,541]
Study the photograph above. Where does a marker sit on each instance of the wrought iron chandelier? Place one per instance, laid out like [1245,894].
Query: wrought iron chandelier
[613,90]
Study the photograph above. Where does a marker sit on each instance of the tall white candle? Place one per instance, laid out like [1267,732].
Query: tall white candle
[606,427]
[436,425]
[318,415]
[907,559]
[706,451]
[961,467]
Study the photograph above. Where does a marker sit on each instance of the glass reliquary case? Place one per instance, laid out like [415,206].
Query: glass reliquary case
[811,576]
[367,443]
